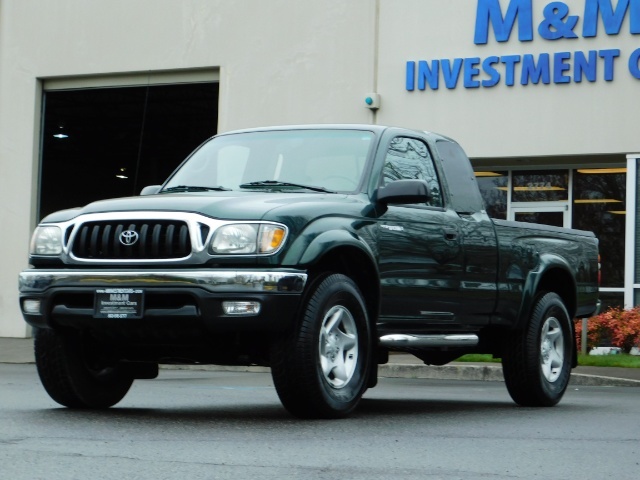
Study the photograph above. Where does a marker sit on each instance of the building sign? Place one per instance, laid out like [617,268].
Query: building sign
[558,24]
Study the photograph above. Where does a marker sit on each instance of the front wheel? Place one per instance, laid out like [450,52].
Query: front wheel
[320,366]
[537,360]
[75,374]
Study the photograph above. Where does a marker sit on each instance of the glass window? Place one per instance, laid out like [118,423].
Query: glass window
[555,219]
[611,300]
[409,159]
[463,188]
[540,186]
[493,188]
[232,163]
[333,159]
[599,206]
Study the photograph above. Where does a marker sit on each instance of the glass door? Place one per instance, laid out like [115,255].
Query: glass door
[555,215]
[541,196]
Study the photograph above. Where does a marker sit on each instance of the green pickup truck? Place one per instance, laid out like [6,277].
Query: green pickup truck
[316,251]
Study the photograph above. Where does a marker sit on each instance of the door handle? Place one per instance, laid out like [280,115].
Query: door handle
[450,234]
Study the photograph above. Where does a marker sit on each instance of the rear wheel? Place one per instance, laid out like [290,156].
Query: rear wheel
[320,367]
[74,374]
[537,360]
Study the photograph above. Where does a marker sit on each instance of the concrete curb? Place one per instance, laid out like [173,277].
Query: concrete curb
[484,373]
[215,368]
[447,372]
[585,380]
[392,370]
[490,373]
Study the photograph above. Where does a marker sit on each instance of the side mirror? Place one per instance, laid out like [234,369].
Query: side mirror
[151,190]
[404,191]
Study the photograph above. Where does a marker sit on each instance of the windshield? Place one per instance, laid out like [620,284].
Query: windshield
[326,159]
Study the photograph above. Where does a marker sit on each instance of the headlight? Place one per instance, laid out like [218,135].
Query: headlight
[46,241]
[248,238]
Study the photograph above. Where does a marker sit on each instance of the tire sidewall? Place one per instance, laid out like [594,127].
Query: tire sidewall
[550,305]
[340,290]
[62,366]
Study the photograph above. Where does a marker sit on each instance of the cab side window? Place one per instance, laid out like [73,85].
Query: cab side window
[409,159]
[464,193]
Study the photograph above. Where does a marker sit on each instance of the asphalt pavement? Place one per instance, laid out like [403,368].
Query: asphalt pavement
[20,351]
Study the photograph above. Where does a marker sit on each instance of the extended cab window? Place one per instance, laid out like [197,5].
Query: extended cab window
[464,193]
[409,159]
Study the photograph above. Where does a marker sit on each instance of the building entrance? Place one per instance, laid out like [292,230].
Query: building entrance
[111,142]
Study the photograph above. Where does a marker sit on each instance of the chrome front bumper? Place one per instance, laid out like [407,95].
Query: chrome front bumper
[215,281]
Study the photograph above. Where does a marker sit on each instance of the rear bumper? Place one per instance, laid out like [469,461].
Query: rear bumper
[174,300]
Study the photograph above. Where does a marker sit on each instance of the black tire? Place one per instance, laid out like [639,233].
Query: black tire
[73,375]
[320,367]
[537,360]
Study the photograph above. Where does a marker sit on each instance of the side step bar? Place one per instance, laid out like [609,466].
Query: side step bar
[450,340]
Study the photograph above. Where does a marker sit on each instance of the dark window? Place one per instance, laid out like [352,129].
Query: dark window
[555,219]
[540,186]
[493,188]
[612,300]
[599,200]
[409,159]
[111,142]
[463,188]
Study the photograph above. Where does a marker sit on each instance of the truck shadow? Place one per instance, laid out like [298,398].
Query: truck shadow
[266,416]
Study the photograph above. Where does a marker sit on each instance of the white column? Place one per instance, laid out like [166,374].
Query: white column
[630,230]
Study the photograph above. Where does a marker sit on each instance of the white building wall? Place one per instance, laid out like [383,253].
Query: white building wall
[503,121]
[297,61]
[281,61]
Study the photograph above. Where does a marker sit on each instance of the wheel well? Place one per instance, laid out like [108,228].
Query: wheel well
[560,281]
[355,264]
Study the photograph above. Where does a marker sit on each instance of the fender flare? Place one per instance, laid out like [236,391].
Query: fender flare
[300,254]
[535,278]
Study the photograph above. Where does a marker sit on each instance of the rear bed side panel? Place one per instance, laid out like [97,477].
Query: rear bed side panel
[534,258]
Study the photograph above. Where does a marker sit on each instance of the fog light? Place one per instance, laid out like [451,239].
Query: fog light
[31,307]
[241,308]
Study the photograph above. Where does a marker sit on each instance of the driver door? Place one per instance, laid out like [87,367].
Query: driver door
[420,252]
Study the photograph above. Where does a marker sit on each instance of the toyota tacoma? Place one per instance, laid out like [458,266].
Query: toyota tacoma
[315,251]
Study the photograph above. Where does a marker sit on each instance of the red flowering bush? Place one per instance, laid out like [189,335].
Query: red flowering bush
[615,327]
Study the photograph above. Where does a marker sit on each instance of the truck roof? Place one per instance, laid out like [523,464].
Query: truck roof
[377,129]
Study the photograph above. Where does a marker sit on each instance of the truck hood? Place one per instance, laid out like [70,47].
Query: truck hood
[231,205]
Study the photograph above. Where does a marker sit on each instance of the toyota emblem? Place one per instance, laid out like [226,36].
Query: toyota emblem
[129,237]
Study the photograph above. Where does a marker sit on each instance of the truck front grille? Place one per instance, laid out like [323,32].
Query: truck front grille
[132,240]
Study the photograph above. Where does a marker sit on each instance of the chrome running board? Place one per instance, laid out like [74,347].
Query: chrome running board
[449,340]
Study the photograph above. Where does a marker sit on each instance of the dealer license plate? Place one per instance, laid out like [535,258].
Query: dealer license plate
[119,303]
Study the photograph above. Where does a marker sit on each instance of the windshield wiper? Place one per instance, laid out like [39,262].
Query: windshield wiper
[277,183]
[195,188]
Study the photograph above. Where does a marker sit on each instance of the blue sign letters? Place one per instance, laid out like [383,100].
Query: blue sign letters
[557,23]
[612,19]
[489,11]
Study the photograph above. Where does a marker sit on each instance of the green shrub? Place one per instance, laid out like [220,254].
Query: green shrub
[615,327]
